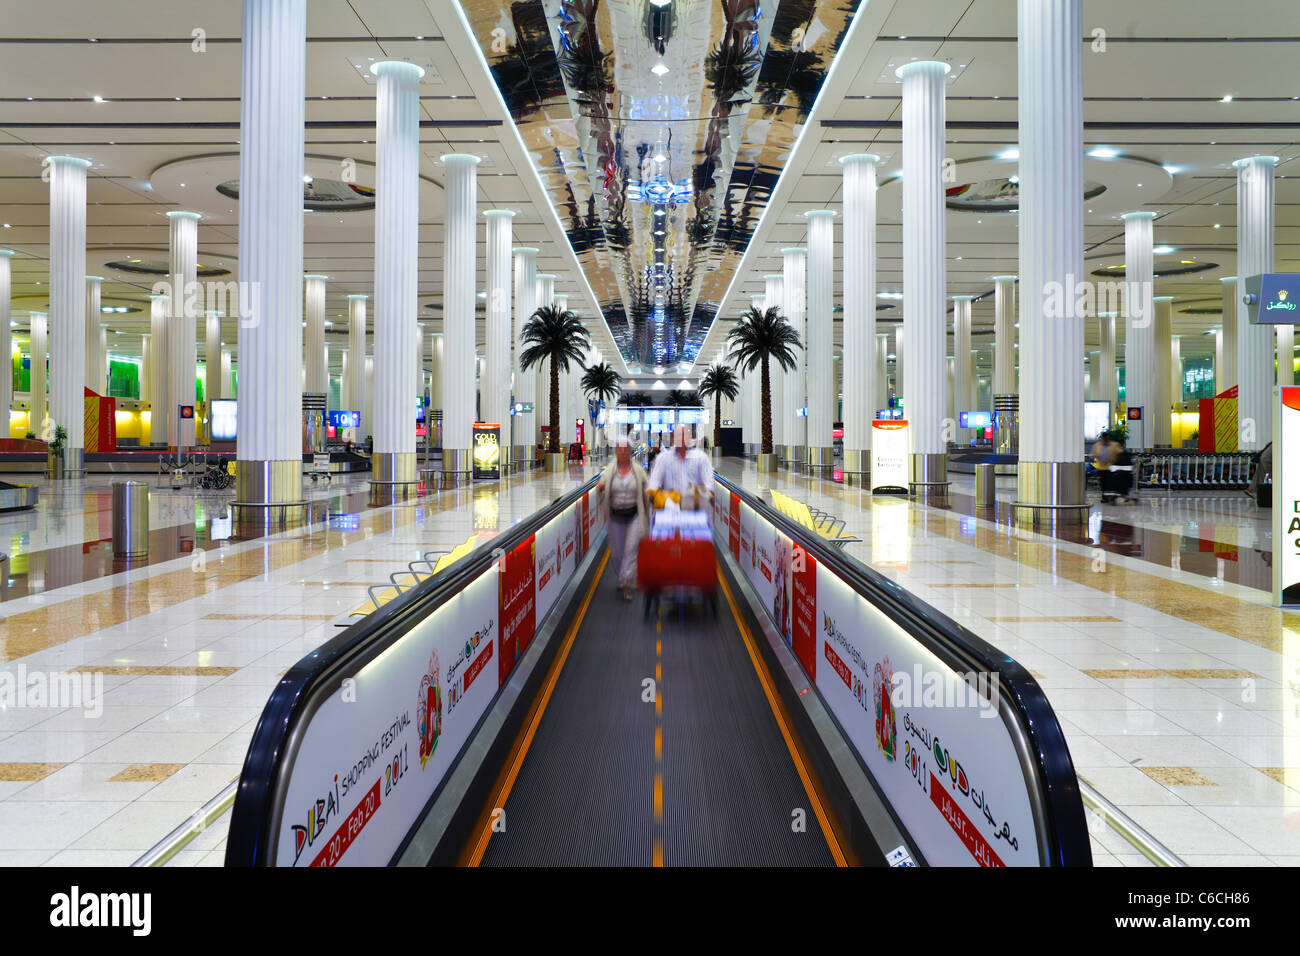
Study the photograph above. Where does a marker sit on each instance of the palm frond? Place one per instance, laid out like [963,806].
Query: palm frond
[763,334]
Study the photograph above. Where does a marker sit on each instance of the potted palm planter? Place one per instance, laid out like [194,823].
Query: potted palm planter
[719,382]
[602,383]
[762,336]
[558,337]
[56,463]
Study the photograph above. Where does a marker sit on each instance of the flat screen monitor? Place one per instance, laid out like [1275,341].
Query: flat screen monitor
[690,416]
[1096,419]
[654,416]
[224,415]
[975,419]
[345,419]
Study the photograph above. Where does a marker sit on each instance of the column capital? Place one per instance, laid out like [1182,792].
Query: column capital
[397,68]
[1162,298]
[923,66]
[460,159]
[1228,279]
[183,214]
[774,276]
[794,250]
[7,252]
[68,161]
[498,214]
[1261,160]
[94,278]
[858,159]
[1134,216]
[820,214]
[312,275]
[545,275]
[963,298]
[358,297]
[525,251]
[1005,278]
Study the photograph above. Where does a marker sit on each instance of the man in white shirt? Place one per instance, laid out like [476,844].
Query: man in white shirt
[684,470]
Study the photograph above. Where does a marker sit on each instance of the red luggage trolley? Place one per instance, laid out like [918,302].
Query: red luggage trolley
[677,554]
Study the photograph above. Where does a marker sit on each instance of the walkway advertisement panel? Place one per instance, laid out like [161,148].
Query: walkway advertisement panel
[378,747]
[932,737]
[1286,498]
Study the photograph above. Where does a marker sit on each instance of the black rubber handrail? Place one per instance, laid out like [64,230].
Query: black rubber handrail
[250,839]
[1067,841]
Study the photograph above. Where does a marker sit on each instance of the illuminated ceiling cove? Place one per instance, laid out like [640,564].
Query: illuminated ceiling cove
[660,128]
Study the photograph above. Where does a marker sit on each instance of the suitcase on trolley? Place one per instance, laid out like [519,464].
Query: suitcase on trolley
[677,561]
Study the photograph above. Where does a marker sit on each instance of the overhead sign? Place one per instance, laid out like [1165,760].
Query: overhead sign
[1271,298]
[890,448]
[1286,499]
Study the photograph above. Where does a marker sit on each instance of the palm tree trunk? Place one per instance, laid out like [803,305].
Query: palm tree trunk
[767,410]
[554,444]
[717,419]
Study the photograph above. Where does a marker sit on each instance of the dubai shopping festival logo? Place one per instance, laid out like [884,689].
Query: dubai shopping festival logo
[882,682]
[1281,302]
[429,707]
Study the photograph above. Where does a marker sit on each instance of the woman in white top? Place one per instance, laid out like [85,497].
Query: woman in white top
[626,516]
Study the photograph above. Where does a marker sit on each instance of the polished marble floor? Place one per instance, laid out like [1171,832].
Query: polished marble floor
[1177,685]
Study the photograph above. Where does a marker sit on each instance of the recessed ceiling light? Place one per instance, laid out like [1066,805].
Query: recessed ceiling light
[1163,250]
[658,69]
[1216,225]
[1226,99]
[98,99]
[1013,153]
[1103,152]
[307,180]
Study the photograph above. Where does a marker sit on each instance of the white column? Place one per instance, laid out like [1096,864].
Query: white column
[861,348]
[1255,343]
[317,373]
[1050,77]
[212,359]
[1004,335]
[159,381]
[545,297]
[227,375]
[435,378]
[1107,384]
[898,361]
[6,342]
[523,428]
[274,53]
[182,353]
[1225,374]
[1176,372]
[924,269]
[460,263]
[819,351]
[146,363]
[568,409]
[963,363]
[368,404]
[38,422]
[68,304]
[397,105]
[1161,432]
[96,360]
[881,396]
[794,298]
[496,387]
[1139,321]
[773,298]
[356,365]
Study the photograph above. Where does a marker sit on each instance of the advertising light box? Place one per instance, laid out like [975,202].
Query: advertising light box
[975,419]
[224,414]
[890,451]
[1096,419]
[1286,497]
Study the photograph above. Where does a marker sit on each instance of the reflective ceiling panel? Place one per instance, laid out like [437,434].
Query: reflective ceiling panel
[660,128]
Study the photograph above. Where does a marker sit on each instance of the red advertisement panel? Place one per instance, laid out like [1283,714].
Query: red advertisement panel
[733,526]
[804,624]
[961,825]
[517,601]
[586,522]
[350,830]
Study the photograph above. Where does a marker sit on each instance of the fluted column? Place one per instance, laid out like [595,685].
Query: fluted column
[435,382]
[1107,386]
[356,367]
[273,54]
[568,410]
[1004,335]
[1139,320]
[861,348]
[881,396]
[819,351]
[773,298]
[6,342]
[1255,343]
[545,297]
[963,363]
[146,363]
[38,422]
[899,391]
[96,360]
[156,370]
[1225,373]
[397,105]
[68,304]
[523,427]
[925,271]
[212,389]
[314,296]
[496,387]
[184,302]
[1176,372]
[1161,433]
[460,262]
[794,298]
[227,374]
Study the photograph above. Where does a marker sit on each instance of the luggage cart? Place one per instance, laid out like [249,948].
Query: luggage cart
[678,556]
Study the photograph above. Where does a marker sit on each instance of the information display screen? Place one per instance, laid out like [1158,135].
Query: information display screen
[690,416]
[1096,419]
[224,415]
[345,419]
[975,419]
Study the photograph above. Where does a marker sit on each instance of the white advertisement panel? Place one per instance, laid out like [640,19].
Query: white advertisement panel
[1286,498]
[377,749]
[555,557]
[890,451]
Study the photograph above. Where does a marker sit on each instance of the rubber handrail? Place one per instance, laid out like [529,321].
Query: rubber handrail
[1062,804]
[249,839]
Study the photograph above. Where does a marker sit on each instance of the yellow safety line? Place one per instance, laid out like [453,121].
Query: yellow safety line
[503,790]
[766,680]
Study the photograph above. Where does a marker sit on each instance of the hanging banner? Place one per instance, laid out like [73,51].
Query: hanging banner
[890,450]
[1286,498]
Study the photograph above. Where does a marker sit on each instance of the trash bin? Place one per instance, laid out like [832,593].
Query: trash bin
[130,519]
[985,485]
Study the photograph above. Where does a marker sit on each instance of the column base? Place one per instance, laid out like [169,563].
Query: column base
[396,477]
[554,461]
[268,495]
[1051,493]
[928,471]
[457,467]
[821,461]
[857,467]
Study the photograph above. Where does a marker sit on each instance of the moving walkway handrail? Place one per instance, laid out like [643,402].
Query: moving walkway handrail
[256,813]
[1055,796]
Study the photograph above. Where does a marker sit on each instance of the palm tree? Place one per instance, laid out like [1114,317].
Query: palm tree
[719,382]
[601,382]
[636,399]
[763,336]
[676,398]
[558,336]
